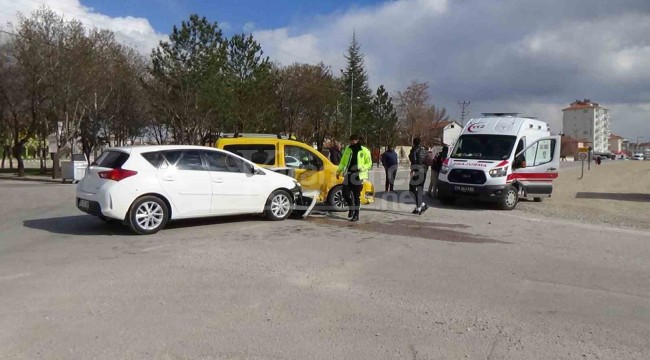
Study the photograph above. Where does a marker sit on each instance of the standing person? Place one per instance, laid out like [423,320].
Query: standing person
[335,153]
[355,163]
[435,170]
[418,176]
[390,163]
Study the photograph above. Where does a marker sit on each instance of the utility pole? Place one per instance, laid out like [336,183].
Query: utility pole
[464,110]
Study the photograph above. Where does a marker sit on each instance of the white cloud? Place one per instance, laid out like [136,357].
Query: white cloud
[133,31]
[525,56]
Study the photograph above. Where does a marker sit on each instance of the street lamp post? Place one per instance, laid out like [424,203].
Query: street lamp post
[351,99]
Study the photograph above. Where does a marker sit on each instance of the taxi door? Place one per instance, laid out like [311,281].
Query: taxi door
[309,168]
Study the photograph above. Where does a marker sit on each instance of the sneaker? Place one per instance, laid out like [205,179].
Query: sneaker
[423,209]
[350,214]
[355,217]
[416,211]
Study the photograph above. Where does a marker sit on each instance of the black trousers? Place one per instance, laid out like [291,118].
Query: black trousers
[391,174]
[416,186]
[352,186]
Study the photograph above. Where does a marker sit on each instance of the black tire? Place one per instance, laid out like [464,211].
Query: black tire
[336,200]
[148,215]
[278,206]
[537,199]
[446,199]
[510,199]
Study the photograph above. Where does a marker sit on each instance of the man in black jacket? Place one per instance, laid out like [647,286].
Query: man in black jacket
[418,176]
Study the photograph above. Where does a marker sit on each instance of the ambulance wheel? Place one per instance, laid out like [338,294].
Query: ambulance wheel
[537,199]
[509,201]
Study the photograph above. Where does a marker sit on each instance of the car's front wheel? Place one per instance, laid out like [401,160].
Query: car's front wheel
[148,215]
[336,199]
[279,205]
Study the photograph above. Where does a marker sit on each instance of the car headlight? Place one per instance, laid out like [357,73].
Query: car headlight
[499,172]
[444,169]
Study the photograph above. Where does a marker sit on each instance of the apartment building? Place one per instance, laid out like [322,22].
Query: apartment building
[587,119]
[616,144]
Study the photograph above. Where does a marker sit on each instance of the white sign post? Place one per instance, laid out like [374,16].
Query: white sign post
[583,154]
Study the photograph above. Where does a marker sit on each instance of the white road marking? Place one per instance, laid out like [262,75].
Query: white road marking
[579,225]
[14,276]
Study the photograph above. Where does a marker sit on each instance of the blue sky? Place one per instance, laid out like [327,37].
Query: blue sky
[265,14]
[529,56]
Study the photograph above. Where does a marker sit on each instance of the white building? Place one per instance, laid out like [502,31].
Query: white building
[586,119]
[446,132]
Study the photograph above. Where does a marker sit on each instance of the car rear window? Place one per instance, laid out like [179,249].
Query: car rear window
[111,159]
[154,158]
[256,153]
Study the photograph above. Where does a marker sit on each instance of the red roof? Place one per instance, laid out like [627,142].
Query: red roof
[582,104]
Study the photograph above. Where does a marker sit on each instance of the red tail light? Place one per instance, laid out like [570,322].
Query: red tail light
[116,174]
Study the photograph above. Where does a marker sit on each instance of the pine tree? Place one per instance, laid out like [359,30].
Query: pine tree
[385,120]
[356,96]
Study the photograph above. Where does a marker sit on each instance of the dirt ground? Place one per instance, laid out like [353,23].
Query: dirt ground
[615,193]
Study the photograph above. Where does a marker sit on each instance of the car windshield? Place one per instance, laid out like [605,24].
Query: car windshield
[484,147]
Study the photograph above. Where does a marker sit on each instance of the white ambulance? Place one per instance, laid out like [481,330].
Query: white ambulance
[501,157]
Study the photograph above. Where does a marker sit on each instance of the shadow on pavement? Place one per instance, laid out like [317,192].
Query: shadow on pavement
[614,196]
[91,225]
[77,225]
[404,197]
[410,228]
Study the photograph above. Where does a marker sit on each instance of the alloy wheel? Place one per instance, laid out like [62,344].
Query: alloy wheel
[149,215]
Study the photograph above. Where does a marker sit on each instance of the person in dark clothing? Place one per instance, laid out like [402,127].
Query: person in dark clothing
[435,170]
[390,163]
[418,176]
[356,161]
[335,153]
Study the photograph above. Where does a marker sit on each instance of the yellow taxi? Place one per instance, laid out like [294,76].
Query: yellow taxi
[313,170]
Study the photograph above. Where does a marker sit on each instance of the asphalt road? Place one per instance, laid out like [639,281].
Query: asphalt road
[467,282]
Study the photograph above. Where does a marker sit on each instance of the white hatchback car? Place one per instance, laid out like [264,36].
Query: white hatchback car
[147,186]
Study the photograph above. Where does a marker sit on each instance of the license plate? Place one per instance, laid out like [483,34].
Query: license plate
[465,189]
[84,204]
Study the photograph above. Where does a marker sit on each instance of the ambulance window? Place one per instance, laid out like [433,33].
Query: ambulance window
[544,152]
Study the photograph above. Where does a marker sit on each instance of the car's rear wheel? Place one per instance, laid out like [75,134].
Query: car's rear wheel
[336,199]
[279,205]
[148,215]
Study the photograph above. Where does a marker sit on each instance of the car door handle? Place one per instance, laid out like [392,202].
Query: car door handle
[551,169]
[169,178]
[219,181]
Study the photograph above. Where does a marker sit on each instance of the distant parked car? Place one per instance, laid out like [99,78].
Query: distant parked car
[147,186]
[638,156]
[291,161]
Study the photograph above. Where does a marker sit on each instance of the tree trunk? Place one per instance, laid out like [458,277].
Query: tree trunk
[56,164]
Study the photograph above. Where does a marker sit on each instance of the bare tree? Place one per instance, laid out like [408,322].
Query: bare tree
[417,117]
